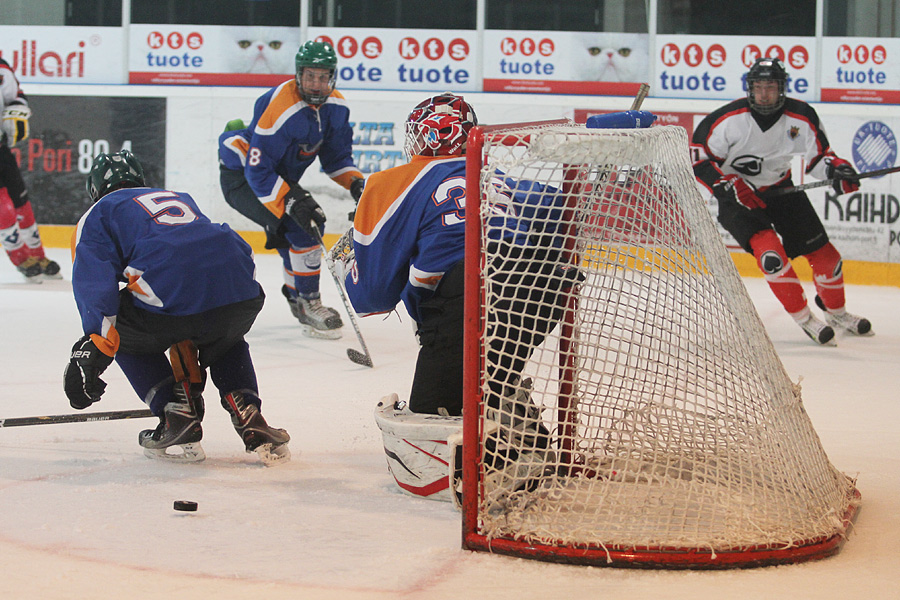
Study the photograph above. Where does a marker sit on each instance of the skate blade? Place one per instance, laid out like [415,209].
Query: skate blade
[188,453]
[271,454]
[321,334]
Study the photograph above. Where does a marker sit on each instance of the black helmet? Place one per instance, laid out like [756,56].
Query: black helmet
[767,69]
[113,171]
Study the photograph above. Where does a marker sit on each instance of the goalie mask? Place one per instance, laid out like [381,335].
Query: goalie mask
[766,70]
[439,126]
[319,81]
[111,172]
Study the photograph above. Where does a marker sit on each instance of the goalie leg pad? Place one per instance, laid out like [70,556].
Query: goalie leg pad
[418,455]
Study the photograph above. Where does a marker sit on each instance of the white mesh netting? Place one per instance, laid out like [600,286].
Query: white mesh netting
[668,418]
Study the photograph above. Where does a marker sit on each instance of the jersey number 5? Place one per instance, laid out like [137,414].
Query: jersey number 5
[166,208]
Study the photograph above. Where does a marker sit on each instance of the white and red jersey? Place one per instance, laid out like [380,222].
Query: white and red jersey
[759,148]
[10,92]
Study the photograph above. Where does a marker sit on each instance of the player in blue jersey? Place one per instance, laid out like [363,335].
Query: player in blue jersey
[407,245]
[18,230]
[150,271]
[261,166]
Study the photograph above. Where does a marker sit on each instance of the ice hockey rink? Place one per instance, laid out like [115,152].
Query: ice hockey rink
[83,514]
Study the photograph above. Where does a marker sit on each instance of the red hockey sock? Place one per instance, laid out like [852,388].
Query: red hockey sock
[828,275]
[29,229]
[7,210]
[778,271]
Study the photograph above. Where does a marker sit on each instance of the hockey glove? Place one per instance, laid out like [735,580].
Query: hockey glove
[844,176]
[343,255]
[83,385]
[356,188]
[300,206]
[14,123]
[732,188]
[275,237]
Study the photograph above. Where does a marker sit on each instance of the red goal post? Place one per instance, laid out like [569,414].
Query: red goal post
[674,437]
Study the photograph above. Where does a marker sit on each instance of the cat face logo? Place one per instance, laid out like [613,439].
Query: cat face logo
[307,150]
[747,164]
[794,132]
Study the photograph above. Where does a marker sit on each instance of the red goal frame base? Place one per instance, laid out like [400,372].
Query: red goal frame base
[671,558]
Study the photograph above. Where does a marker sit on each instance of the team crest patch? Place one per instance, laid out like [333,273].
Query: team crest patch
[794,132]
[874,147]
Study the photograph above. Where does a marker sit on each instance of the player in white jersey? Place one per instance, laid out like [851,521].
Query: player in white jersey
[743,151]
[18,229]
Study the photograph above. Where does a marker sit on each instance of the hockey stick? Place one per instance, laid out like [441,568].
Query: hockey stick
[825,182]
[76,418]
[639,98]
[360,358]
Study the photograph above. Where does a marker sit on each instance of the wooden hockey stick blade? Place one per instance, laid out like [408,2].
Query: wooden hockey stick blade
[826,182]
[639,98]
[76,418]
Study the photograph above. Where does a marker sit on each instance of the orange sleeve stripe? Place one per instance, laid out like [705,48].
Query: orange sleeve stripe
[108,346]
[346,178]
[383,189]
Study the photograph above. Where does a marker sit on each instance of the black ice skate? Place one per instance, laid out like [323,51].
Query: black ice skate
[49,269]
[268,442]
[31,269]
[318,321]
[179,429]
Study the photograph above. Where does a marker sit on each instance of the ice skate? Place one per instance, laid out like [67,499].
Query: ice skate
[516,445]
[818,331]
[840,319]
[318,321]
[179,430]
[31,269]
[49,269]
[269,443]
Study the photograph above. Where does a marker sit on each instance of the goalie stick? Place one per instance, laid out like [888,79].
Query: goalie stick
[639,97]
[825,182]
[361,358]
[76,418]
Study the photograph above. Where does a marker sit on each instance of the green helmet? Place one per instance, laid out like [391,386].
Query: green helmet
[316,55]
[113,171]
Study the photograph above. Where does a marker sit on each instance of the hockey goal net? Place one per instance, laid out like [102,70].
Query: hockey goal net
[654,424]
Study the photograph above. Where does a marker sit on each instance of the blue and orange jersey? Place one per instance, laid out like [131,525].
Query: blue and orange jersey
[164,251]
[409,230]
[284,138]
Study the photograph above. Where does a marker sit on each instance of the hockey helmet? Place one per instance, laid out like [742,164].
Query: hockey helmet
[316,55]
[439,126]
[766,69]
[113,171]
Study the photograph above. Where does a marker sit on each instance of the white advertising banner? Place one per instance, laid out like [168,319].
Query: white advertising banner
[403,59]
[211,55]
[860,70]
[713,66]
[64,54]
[559,62]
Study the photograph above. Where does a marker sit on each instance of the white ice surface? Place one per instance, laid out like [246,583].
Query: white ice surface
[83,514]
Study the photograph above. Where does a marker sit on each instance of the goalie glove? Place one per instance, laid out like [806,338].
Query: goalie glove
[343,255]
[14,123]
[356,188]
[83,385]
[732,188]
[306,212]
[844,176]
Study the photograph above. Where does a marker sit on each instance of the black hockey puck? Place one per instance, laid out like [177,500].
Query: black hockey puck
[185,505]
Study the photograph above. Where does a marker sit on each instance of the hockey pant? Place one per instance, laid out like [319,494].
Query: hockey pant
[218,334]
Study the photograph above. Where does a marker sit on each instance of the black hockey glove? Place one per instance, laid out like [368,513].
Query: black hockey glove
[356,189]
[82,377]
[275,237]
[300,206]
[844,176]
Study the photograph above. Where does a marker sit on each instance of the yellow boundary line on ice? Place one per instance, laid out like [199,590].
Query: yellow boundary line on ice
[855,271]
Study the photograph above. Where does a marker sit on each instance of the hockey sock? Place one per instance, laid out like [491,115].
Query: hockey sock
[150,375]
[29,230]
[234,371]
[828,276]
[778,271]
[302,267]
[10,236]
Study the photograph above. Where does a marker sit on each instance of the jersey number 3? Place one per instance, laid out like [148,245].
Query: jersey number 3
[166,208]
